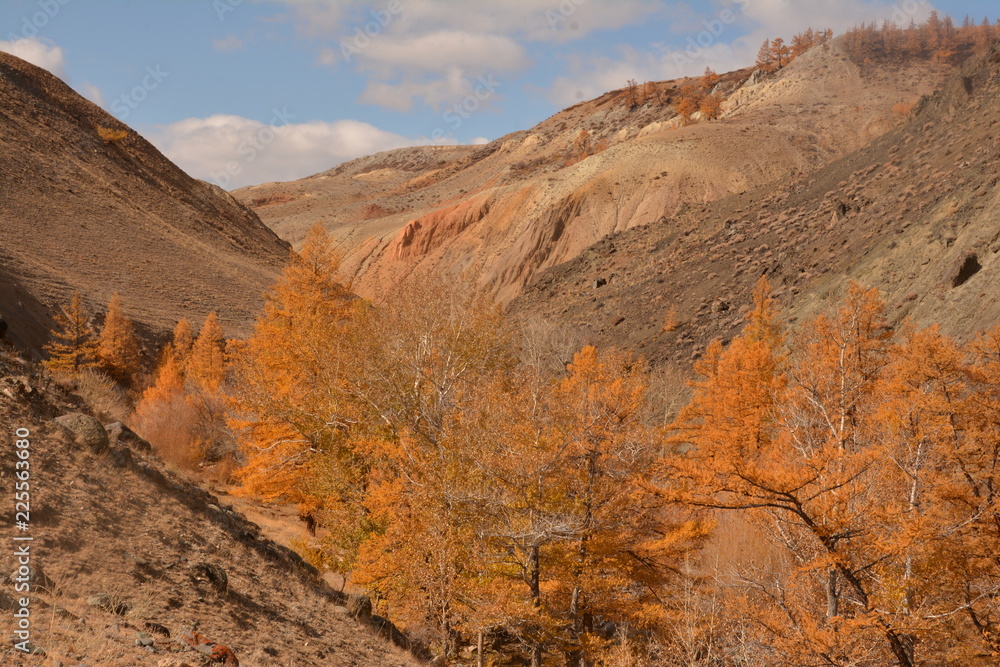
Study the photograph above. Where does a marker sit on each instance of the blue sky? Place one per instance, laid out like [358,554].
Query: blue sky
[248,91]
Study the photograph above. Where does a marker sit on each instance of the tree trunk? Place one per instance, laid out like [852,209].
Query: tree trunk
[536,654]
[534,565]
[480,658]
[575,657]
[832,596]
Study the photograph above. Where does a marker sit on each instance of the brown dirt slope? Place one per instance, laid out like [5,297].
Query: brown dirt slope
[519,205]
[914,214]
[166,554]
[77,213]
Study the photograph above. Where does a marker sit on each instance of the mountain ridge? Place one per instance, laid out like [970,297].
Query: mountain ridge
[550,198]
[84,214]
[911,214]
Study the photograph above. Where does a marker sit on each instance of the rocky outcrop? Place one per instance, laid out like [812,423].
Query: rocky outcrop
[435,229]
[87,431]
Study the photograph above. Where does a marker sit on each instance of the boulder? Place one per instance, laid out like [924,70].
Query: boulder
[86,430]
[120,434]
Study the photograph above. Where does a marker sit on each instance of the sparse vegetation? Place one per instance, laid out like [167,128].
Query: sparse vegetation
[936,39]
[111,136]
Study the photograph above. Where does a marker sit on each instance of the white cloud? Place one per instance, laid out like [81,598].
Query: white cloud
[434,50]
[326,56]
[785,17]
[43,54]
[723,41]
[92,93]
[533,20]
[438,68]
[444,49]
[233,151]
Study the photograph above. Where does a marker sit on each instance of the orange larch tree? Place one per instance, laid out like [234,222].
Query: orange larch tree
[709,80]
[183,341]
[798,445]
[74,344]
[207,362]
[291,401]
[167,416]
[118,345]
[780,53]
[765,57]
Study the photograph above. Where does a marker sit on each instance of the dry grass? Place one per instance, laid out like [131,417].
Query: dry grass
[108,401]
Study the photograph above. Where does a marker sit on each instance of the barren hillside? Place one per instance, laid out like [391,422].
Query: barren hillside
[81,213]
[126,556]
[523,203]
[913,214]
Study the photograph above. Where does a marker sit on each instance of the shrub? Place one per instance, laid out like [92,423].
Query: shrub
[110,136]
[103,395]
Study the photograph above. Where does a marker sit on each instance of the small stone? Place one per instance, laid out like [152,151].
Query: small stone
[103,602]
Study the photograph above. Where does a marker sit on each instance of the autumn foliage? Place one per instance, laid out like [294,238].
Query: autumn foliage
[864,455]
[774,54]
[118,346]
[485,491]
[74,341]
[938,39]
[183,412]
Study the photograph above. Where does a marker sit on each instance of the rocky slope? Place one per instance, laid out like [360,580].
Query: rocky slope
[78,213]
[522,204]
[127,559]
[914,214]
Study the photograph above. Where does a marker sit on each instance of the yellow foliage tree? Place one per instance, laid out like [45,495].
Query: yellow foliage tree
[711,106]
[293,402]
[183,341]
[74,344]
[801,445]
[168,417]
[709,80]
[118,347]
[207,362]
